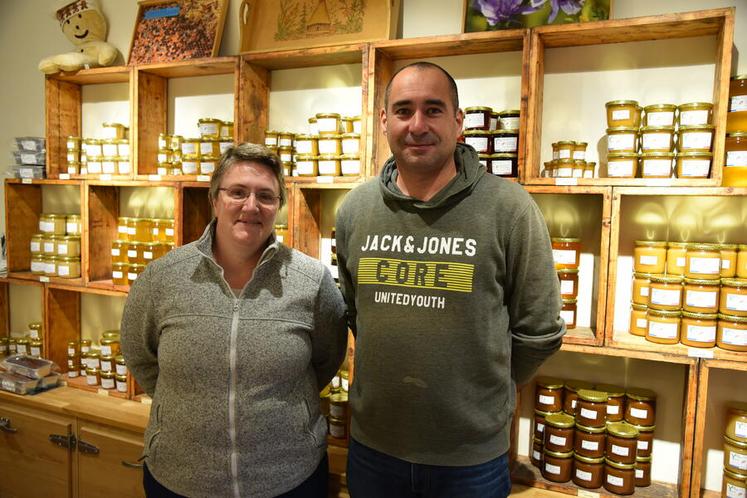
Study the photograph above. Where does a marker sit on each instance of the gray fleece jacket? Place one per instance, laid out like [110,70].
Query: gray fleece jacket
[235,380]
[455,300]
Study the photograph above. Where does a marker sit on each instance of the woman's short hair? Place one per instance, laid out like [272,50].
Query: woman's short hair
[253,153]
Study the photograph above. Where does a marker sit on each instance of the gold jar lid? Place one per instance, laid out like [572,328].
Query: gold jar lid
[68,259]
[558,454]
[703,247]
[622,155]
[565,239]
[120,378]
[106,375]
[68,237]
[120,266]
[622,429]
[727,247]
[657,155]
[107,357]
[105,341]
[329,157]
[690,106]
[700,281]
[574,385]
[339,398]
[73,216]
[592,395]
[736,134]
[350,157]
[541,413]
[322,115]
[478,108]
[666,279]
[584,459]
[566,160]
[54,216]
[564,142]
[621,102]
[569,300]
[92,371]
[733,442]
[733,475]
[734,282]
[592,430]
[651,243]
[23,340]
[685,128]
[732,318]
[549,382]
[303,137]
[743,247]
[644,428]
[693,155]
[208,120]
[137,266]
[646,129]
[611,390]
[737,408]
[659,107]
[35,325]
[678,244]
[306,157]
[622,129]
[119,360]
[562,420]
[509,113]
[332,136]
[477,133]
[641,394]
[580,144]
[567,270]
[643,459]
[504,132]
[639,307]
[645,275]
[664,313]
[699,316]
[286,134]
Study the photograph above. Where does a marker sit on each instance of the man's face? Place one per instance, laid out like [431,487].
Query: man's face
[421,124]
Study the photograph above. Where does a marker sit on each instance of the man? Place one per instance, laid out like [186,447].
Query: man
[450,284]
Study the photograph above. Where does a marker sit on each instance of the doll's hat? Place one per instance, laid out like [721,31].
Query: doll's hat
[67,9]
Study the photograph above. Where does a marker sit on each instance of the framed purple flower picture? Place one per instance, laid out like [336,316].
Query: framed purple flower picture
[491,15]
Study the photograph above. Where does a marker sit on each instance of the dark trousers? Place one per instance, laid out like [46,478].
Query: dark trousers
[372,474]
[313,487]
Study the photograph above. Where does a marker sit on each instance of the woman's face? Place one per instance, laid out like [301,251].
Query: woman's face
[246,205]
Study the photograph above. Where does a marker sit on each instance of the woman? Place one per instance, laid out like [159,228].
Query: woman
[233,336]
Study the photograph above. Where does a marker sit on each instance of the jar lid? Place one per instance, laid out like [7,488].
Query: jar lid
[574,385]
[645,129]
[209,120]
[622,429]
[727,247]
[503,155]
[350,157]
[639,307]
[678,244]
[700,316]
[567,270]
[643,459]
[736,134]
[686,128]
[504,132]
[120,359]
[557,454]
[350,118]
[651,243]
[85,342]
[739,77]
[618,465]
[621,102]
[644,428]
[733,475]
[23,340]
[306,157]
[320,115]
[69,259]
[593,430]
[694,154]
[659,107]
[478,108]
[347,135]
[743,247]
[737,408]
[734,282]
[549,382]
[565,239]
[657,155]
[564,142]
[107,357]
[667,279]
[92,371]
[541,413]
[329,157]
[477,133]
[137,265]
[54,216]
[592,395]
[733,442]
[590,164]
[107,375]
[225,123]
[211,158]
[622,155]
[641,394]
[611,390]
[510,112]
[109,340]
[69,237]
[584,459]
[565,160]
[92,141]
[732,318]
[581,144]
[664,313]
[329,136]
[622,129]
[121,377]
[340,397]
[695,105]
[703,247]
[569,300]
[579,162]
[701,281]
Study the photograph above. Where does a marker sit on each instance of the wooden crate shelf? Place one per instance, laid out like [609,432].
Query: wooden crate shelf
[602,38]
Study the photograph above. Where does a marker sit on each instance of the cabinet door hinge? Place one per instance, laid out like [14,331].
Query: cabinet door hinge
[63,441]
[5,425]
[84,447]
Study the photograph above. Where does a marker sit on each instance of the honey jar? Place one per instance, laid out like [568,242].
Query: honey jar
[563,168]
[163,230]
[36,244]
[619,478]
[328,123]
[135,252]
[568,283]
[505,141]
[623,113]
[539,425]
[570,394]
[477,118]
[208,164]
[638,320]
[72,224]
[641,287]
[645,439]
[698,330]
[35,348]
[590,442]
[107,380]
[121,383]
[591,408]
[350,165]
[643,472]
[693,164]
[548,394]
[107,363]
[622,442]
[50,266]
[209,127]
[588,472]
[123,229]
[589,169]
[329,165]
[735,163]
[119,273]
[697,138]
[665,293]
[559,432]
[37,264]
[68,266]
[479,140]
[505,165]
[93,376]
[663,327]
[307,165]
[676,258]
[657,138]
[566,252]
[615,401]
[622,139]
[133,271]
[703,261]
[659,115]
[728,260]
[52,224]
[701,296]
[622,164]
[121,365]
[579,151]
[536,455]
[568,313]
[578,168]
[509,119]
[736,422]
[557,467]
[68,245]
[742,261]
[109,346]
[640,406]
[735,455]
[656,164]
[563,149]
[694,114]
[734,485]
[649,256]
[85,346]
[733,297]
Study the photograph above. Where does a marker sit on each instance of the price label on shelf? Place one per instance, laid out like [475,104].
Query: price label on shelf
[64,176]
[203,178]
[700,353]
[325,179]
[105,178]
[26,180]
[102,392]
[44,279]
[566,181]
[154,178]
[587,494]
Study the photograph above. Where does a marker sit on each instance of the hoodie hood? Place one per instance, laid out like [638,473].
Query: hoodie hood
[469,172]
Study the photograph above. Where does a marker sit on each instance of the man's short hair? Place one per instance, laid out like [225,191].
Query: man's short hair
[423,65]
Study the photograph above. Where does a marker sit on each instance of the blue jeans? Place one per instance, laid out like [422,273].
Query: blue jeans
[372,474]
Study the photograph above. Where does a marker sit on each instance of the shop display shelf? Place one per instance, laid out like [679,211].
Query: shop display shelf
[5,308]
[502,57]
[63,109]
[720,382]
[695,214]
[195,210]
[623,57]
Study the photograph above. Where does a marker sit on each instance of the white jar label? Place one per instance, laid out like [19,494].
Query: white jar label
[662,330]
[123,229]
[132,253]
[91,380]
[657,167]
[285,142]
[641,323]
[639,412]
[70,352]
[557,440]
[736,158]
[35,246]
[696,140]
[106,350]
[584,476]
[638,473]
[191,147]
[707,266]
[661,118]
[121,369]
[122,386]
[620,168]
[564,154]
[189,167]
[725,264]
[502,167]
[642,445]
[63,270]
[566,287]
[619,450]
[208,128]
[350,166]
[680,263]
[350,145]
[207,167]
[540,428]
[695,167]
[109,167]
[147,255]
[49,247]
[648,260]
[72,227]
[579,154]
[107,383]
[329,146]
[106,366]
[305,167]
[544,400]
[613,409]
[568,316]
[326,124]
[564,256]
[644,291]
[736,302]
[733,491]
[694,117]
[701,299]
[169,232]
[740,429]
[564,172]
[590,414]
[698,333]
[536,455]
[552,469]
[573,404]
[589,445]
[474,120]
[115,252]
[327,167]
[621,141]
[665,297]
[738,103]
[131,276]
[117,274]
[46,226]
[614,480]
[737,460]
[62,249]
[304,147]
[131,230]
[508,123]
[480,144]
[620,114]
[505,144]
[656,141]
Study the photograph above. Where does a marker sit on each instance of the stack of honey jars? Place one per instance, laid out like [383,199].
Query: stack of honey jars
[178,155]
[735,451]
[593,435]
[108,155]
[102,366]
[735,160]
[334,404]
[569,161]
[566,252]
[30,343]
[495,137]
[687,293]
[55,250]
[660,140]
[140,241]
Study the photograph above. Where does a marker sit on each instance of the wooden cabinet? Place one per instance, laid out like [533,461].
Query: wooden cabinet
[33,465]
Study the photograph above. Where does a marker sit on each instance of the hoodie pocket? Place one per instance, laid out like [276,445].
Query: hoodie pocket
[312,424]
[151,444]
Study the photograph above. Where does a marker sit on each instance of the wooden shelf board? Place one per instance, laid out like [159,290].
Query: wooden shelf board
[616,350]
[524,472]
[449,45]
[80,383]
[88,289]
[96,76]
[40,181]
[107,285]
[132,183]
[11,279]
[338,182]
[171,179]
[97,178]
[623,340]
[581,335]
[659,27]
[626,182]
[75,282]
[731,363]
[701,191]
[195,184]
[312,57]
[191,68]
[567,189]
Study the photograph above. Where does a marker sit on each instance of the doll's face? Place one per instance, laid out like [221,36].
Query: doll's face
[84,27]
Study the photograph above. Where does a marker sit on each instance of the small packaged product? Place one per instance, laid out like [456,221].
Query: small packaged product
[33,368]
[17,384]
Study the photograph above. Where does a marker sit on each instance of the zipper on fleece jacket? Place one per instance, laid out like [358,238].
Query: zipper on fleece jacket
[232,398]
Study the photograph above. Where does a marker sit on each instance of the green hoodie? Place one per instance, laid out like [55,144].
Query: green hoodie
[454,301]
